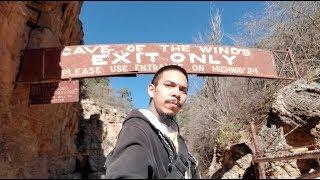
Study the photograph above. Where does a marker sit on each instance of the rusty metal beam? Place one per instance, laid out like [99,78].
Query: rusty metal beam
[287,149]
[293,63]
[281,138]
[257,152]
[283,64]
[305,155]
[288,52]
[279,51]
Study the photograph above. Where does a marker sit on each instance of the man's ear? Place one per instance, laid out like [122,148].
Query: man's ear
[151,90]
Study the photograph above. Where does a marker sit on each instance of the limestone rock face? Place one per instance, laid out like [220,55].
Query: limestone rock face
[294,123]
[298,103]
[239,168]
[36,141]
[235,163]
[273,142]
[98,133]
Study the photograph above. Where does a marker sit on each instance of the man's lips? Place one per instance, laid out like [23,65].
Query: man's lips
[173,102]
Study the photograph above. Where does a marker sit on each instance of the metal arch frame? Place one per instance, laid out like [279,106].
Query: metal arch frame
[259,158]
[288,54]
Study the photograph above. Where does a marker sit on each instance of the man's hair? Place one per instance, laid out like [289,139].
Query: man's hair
[159,73]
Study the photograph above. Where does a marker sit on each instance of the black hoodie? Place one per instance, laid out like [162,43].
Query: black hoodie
[139,152]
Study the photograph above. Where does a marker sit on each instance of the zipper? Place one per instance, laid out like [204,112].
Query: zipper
[168,146]
[173,148]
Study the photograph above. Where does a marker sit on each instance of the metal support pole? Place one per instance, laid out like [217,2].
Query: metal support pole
[257,153]
[293,63]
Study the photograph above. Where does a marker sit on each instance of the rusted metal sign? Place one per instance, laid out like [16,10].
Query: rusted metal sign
[81,61]
[54,92]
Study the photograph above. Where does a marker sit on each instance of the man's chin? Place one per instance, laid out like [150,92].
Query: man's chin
[168,113]
[167,116]
[171,110]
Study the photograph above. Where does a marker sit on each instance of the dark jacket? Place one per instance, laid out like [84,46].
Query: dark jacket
[139,152]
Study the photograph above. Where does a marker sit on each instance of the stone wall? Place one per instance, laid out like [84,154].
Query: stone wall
[36,141]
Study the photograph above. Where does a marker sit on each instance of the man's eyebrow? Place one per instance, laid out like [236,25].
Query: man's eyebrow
[184,87]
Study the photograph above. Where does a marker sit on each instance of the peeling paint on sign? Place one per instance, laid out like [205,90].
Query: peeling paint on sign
[122,59]
[54,92]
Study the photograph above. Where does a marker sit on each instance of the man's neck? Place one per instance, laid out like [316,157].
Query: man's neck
[171,131]
[153,110]
[161,119]
[170,123]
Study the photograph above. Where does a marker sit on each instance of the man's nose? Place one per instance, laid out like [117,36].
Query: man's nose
[176,93]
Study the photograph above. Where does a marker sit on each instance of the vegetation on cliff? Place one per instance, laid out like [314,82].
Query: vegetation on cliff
[215,116]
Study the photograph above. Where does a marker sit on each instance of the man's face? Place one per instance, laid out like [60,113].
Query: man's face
[170,93]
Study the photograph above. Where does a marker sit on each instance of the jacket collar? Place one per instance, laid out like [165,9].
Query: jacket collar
[159,125]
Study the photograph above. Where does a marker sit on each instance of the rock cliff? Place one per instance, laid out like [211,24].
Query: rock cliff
[295,115]
[98,132]
[36,141]
[292,126]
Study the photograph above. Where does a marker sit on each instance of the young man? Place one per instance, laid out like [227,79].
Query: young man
[149,144]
